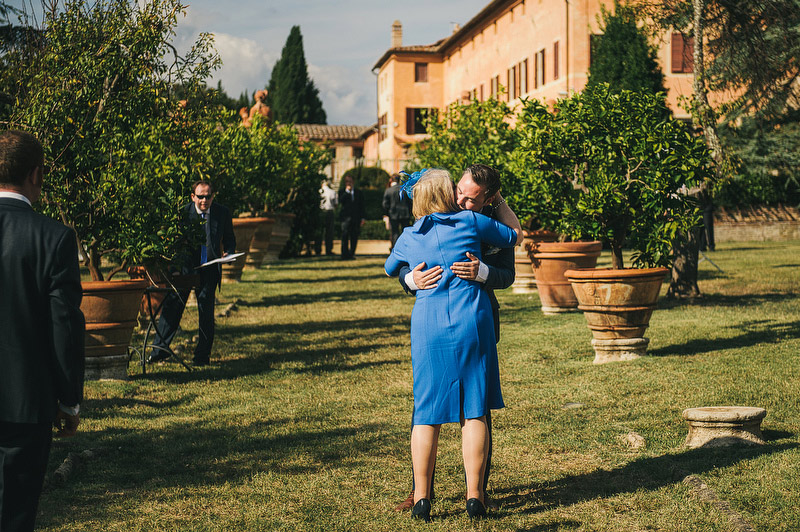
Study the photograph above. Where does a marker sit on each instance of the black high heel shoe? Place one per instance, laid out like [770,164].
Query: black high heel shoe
[475,508]
[422,510]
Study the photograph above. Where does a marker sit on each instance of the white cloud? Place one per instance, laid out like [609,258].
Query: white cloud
[347,95]
[245,64]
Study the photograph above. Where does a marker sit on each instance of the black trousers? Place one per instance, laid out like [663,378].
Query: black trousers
[175,304]
[24,450]
[397,226]
[351,228]
[326,232]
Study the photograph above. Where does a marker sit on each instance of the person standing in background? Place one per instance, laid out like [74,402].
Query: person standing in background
[327,204]
[220,241]
[352,217]
[396,209]
[41,348]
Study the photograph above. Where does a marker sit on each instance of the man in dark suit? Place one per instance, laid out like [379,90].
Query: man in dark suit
[41,348]
[220,241]
[351,216]
[478,190]
[396,210]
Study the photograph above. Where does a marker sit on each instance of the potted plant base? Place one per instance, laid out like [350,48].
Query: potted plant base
[617,304]
[110,309]
[259,243]
[243,229]
[280,234]
[524,280]
[549,261]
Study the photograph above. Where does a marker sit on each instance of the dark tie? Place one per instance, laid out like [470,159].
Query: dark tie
[203,249]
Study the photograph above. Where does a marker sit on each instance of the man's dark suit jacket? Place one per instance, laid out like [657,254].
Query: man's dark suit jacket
[351,208]
[41,345]
[394,206]
[502,273]
[220,235]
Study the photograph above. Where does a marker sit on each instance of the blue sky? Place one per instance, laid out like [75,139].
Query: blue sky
[342,41]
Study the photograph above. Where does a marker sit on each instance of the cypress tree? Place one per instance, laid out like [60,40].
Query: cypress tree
[622,56]
[292,94]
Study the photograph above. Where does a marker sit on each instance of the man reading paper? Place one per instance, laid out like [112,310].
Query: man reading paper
[220,242]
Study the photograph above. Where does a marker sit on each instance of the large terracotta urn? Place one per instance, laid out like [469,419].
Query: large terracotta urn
[549,261]
[281,230]
[243,230]
[259,243]
[524,282]
[617,304]
[110,309]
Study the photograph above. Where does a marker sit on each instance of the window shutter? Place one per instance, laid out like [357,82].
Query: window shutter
[677,52]
[409,120]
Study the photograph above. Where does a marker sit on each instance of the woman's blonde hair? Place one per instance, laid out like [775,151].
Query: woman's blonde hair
[434,192]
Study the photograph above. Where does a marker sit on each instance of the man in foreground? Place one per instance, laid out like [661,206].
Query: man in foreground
[478,190]
[41,348]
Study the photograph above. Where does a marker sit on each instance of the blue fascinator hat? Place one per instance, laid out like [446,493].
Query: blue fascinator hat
[407,188]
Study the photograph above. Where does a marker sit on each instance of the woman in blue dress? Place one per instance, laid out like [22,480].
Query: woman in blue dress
[453,350]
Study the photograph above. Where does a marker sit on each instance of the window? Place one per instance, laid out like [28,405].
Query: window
[416,118]
[513,87]
[481,92]
[421,72]
[539,74]
[682,54]
[555,60]
[358,153]
[523,76]
[495,87]
[382,127]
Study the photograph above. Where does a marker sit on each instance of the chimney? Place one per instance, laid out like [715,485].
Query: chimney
[397,34]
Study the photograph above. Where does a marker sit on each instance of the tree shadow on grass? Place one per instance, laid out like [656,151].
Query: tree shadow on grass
[726,300]
[148,466]
[321,297]
[644,473]
[756,332]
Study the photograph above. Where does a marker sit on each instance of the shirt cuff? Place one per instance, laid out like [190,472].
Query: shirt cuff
[483,272]
[409,279]
[71,410]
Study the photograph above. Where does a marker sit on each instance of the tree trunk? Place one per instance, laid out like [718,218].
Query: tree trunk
[705,117]
[93,263]
[616,256]
[685,251]
[683,283]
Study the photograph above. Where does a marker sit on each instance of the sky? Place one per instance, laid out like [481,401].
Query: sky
[342,39]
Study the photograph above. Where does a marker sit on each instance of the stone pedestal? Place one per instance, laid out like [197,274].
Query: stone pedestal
[720,426]
[618,349]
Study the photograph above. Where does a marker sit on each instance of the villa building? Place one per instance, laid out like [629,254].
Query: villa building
[511,49]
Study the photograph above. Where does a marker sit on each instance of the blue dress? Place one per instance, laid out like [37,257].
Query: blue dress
[453,350]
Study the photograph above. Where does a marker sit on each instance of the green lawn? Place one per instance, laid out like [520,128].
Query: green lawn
[302,421]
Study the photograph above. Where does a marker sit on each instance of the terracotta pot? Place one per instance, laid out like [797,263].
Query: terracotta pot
[524,282]
[259,243]
[617,305]
[243,228]
[281,230]
[110,309]
[549,261]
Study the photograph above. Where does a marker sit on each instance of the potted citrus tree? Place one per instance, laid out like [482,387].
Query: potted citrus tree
[621,166]
[97,91]
[541,192]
